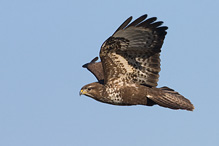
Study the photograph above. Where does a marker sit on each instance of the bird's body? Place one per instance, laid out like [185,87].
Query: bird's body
[135,94]
[129,69]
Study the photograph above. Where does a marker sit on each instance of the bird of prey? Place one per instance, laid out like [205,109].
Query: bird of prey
[129,69]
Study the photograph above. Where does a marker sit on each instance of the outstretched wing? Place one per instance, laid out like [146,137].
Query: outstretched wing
[96,69]
[132,52]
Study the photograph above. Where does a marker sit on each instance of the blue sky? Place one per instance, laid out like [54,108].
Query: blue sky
[43,45]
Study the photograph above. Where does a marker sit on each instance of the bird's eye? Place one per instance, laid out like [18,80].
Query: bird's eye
[88,89]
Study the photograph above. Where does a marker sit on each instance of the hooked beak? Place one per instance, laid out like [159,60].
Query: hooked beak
[82,92]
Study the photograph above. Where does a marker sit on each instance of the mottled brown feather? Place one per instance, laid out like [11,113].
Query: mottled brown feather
[129,69]
[133,52]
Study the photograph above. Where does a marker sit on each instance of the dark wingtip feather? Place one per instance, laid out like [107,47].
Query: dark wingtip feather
[85,65]
[163,28]
[138,20]
[156,24]
[124,24]
[141,22]
[92,61]
[147,22]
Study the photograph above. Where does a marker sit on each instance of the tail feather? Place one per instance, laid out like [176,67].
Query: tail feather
[169,98]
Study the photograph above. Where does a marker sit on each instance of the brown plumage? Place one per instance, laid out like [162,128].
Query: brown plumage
[129,69]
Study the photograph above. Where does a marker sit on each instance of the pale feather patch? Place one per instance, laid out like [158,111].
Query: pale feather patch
[121,60]
[149,96]
[113,90]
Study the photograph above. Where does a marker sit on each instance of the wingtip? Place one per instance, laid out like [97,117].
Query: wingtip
[92,61]
[85,65]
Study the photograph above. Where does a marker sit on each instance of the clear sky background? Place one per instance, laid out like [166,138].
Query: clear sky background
[44,43]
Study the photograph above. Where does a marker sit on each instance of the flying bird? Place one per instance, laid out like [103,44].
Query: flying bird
[129,69]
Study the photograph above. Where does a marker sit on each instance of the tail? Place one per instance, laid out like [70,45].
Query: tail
[169,98]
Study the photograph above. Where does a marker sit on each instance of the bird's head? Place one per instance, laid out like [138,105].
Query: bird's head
[93,90]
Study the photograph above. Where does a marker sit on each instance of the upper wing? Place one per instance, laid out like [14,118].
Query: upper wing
[132,52]
[96,69]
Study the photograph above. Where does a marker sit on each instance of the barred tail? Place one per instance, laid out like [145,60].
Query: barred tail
[169,98]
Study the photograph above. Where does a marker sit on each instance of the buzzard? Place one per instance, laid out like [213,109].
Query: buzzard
[129,69]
